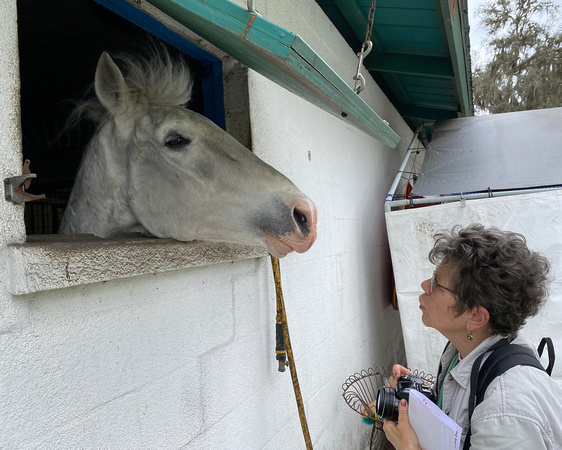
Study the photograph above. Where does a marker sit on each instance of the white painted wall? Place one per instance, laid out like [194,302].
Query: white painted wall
[186,358]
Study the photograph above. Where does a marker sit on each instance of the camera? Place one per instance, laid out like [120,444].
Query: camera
[388,398]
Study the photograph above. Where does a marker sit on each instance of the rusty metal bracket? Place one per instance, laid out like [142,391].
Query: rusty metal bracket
[14,187]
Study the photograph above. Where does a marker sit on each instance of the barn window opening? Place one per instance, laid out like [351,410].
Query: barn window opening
[60,42]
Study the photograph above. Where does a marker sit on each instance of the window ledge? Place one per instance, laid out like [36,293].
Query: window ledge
[48,262]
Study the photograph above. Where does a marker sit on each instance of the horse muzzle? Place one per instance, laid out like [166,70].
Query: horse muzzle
[302,233]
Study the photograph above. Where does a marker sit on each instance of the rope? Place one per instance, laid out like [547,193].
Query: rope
[292,367]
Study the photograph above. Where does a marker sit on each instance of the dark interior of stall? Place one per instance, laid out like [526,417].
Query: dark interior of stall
[60,42]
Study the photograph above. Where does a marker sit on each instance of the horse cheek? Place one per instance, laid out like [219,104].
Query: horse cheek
[155,198]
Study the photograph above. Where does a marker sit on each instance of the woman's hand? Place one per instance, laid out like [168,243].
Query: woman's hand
[397,371]
[401,435]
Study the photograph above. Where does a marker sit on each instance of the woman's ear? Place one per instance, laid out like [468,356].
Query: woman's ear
[479,318]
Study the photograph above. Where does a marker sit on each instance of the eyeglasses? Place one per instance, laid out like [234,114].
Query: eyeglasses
[435,283]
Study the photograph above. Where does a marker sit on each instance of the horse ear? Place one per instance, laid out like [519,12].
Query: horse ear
[109,84]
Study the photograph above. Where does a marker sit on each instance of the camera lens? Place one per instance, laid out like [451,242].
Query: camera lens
[387,403]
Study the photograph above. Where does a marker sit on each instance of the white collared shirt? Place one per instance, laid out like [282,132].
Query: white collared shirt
[522,408]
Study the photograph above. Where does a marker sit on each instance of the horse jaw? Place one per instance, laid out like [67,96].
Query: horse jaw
[254,228]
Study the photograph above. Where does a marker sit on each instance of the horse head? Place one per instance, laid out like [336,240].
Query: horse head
[155,167]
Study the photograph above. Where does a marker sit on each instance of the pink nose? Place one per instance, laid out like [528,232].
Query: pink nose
[302,234]
[304,216]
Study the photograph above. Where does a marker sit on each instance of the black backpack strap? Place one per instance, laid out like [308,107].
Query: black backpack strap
[504,357]
[551,356]
[474,376]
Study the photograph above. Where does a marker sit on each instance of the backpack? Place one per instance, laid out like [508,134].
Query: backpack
[504,356]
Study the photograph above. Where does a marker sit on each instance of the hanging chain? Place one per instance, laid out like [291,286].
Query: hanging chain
[365,49]
[370,21]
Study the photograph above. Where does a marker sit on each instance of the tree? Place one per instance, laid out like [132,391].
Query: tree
[525,70]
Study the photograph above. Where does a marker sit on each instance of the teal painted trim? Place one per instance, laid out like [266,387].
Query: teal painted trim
[409,64]
[454,39]
[356,16]
[340,93]
[460,61]
[426,114]
[278,54]
[228,21]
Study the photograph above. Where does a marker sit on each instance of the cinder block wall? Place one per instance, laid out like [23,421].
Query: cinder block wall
[186,358]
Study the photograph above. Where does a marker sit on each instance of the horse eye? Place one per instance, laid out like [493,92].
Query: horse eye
[175,141]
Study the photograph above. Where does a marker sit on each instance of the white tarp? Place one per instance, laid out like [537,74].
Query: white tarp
[517,150]
[537,216]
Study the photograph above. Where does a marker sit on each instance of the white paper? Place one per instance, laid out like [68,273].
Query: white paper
[434,429]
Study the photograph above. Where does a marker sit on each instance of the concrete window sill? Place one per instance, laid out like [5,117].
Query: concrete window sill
[48,262]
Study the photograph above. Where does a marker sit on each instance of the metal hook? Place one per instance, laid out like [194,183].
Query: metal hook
[360,79]
[251,6]
[359,83]
[14,187]
[367,50]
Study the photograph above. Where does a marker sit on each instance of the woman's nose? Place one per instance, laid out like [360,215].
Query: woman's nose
[426,286]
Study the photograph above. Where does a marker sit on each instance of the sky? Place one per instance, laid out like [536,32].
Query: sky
[477,32]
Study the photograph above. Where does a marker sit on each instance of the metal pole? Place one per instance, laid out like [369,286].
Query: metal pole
[457,197]
[413,147]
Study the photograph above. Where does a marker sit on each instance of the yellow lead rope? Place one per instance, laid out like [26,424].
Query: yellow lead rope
[292,367]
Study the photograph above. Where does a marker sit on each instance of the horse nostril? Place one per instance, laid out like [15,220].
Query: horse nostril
[301,222]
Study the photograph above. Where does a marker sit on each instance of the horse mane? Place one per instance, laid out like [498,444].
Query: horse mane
[155,79]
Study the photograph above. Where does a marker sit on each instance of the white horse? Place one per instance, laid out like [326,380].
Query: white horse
[157,168]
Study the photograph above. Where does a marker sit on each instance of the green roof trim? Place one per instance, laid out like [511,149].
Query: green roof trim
[278,54]
[457,48]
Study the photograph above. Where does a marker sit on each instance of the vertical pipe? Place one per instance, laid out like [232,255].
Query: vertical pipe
[392,189]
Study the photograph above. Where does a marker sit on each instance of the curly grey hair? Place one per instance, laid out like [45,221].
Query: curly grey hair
[494,269]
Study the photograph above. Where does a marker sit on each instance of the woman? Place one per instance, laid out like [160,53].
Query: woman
[486,285]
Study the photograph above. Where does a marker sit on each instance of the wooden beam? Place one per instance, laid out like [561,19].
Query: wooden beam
[426,114]
[453,29]
[409,64]
[278,54]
